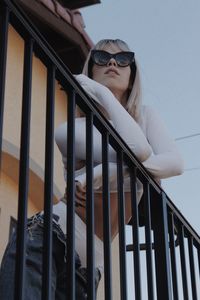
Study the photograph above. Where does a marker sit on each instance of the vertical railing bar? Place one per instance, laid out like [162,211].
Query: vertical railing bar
[71,195]
[135,234]
[24,171]
[183,262]
[106,219]
[121,220]
[173,257]
[149,260]
[90,206]
[161,245]
[4,19]
[192,268]
[48,184]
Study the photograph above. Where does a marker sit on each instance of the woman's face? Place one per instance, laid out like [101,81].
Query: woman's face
[112,76]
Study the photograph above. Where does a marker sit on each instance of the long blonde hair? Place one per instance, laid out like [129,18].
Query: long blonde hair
[134,101]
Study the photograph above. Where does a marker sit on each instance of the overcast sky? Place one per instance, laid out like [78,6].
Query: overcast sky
[165,37]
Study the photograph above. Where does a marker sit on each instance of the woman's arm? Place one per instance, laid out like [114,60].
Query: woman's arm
[122,121]
[80,142]
[166,160]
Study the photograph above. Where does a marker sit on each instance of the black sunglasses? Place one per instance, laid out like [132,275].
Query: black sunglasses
[123,59]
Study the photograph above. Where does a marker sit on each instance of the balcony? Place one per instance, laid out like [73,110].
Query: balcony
[171,246]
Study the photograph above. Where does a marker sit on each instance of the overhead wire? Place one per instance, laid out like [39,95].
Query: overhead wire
[192,169]
[187,136]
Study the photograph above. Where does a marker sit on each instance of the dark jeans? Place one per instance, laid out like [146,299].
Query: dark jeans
[33,270]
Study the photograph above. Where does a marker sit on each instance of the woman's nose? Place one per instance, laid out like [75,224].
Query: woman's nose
[112,62]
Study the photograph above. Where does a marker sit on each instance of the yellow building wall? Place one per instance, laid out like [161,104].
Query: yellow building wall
[11,145]
[11,135]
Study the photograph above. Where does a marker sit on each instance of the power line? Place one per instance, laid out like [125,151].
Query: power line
[187,136]
[192,169]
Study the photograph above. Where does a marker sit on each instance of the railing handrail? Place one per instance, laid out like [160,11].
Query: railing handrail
[180,216]
[99,119]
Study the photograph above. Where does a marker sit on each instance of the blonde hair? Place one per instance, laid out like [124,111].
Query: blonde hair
[134,101]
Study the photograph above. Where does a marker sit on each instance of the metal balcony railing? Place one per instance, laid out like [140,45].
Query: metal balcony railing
[171,247]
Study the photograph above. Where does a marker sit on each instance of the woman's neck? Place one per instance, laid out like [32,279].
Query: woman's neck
[121,97]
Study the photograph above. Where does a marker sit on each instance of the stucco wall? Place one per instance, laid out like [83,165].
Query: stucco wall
[11,134]
[11,145]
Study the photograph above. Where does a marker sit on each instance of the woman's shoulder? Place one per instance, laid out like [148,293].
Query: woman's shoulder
[61,129]
[63,125]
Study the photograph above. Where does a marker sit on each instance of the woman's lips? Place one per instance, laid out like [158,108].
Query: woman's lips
[112,70]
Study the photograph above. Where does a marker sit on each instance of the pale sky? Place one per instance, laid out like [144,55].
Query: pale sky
[165,38]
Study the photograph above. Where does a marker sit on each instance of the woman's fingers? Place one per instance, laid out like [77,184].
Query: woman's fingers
[80,192]
[80,188]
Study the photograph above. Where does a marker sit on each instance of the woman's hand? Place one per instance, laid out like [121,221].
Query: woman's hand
[88,83]
[122,121]
[80,194]
[92,87]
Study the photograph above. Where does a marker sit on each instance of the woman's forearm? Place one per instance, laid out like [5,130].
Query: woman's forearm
[164,165]
[121,120]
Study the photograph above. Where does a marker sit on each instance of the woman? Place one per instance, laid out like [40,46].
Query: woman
[111,77]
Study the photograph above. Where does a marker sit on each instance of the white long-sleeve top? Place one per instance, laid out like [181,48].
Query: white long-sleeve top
[148,139]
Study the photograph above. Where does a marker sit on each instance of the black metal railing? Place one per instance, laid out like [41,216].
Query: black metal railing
[171,267]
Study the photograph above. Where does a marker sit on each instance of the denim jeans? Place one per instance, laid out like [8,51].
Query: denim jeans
[33,262]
